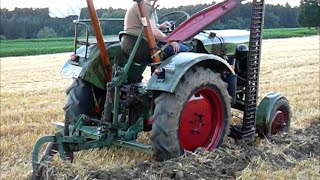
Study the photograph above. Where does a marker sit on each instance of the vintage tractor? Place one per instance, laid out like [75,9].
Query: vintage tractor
[185,104]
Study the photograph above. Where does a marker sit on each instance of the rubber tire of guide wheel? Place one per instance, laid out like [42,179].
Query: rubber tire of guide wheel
[281,105]
[169,108]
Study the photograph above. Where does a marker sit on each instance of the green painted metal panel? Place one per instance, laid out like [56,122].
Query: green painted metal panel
[177,65]
[36,150]
[222,42]
[265,107]
[133,145]
[92,67]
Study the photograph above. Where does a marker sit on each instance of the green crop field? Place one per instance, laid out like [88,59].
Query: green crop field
[27,47]
[288,33]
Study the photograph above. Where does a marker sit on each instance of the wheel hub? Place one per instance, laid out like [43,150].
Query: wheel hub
[201,120]
[278,122]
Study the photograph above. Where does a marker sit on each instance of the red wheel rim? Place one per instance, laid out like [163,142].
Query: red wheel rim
[279,122]
[201,121]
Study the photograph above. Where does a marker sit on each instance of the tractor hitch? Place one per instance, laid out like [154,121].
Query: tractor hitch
[83,137]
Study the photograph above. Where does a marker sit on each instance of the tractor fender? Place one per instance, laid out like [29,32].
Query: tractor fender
[265,107]
[176,66]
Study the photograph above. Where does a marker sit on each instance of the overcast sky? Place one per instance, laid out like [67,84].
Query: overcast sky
[11,4]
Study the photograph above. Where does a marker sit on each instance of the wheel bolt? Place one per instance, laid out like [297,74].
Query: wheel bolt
[195,131]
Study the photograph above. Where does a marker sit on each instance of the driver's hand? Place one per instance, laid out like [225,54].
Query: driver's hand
[165,25]
[176,47]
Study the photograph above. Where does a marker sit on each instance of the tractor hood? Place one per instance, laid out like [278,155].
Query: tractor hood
[222,42]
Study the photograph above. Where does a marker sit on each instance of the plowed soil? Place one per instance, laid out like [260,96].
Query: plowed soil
[281,152]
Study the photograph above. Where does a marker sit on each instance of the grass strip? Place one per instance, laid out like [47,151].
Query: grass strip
[25,47]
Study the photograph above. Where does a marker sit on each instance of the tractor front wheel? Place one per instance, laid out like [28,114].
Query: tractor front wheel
[196,115]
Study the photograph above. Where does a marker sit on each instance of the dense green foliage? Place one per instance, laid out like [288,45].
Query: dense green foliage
[46,32]
[309,15]
[58,45]
[28,23]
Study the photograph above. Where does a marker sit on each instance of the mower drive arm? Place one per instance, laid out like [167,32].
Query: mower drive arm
[200,20]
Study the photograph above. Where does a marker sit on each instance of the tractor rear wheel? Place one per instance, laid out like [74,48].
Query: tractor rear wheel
[196,115]
[80,100]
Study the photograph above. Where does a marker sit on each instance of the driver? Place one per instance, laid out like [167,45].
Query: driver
[133,25]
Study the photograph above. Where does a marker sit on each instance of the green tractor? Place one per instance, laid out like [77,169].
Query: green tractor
[185,104]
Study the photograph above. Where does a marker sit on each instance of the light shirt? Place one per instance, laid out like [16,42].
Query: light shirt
[132,20]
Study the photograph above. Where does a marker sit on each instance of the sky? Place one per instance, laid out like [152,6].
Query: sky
[11,4]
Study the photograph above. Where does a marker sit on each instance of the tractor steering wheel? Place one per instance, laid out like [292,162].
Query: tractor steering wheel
[175,18]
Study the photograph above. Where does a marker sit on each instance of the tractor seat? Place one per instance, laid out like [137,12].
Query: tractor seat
[128,40]
[141,59]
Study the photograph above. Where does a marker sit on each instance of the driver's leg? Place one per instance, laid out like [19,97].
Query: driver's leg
[169,50]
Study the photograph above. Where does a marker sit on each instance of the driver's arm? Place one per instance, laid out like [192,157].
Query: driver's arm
[158,35]
[164,25]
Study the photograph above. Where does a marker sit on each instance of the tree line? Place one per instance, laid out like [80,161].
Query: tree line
[27,23]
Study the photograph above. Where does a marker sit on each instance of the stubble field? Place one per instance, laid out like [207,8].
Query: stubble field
[33,94]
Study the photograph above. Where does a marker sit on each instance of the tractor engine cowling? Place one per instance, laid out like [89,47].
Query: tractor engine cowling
[220,42]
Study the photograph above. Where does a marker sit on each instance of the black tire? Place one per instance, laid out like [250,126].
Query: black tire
[80,100]
[275,125]
[166,119]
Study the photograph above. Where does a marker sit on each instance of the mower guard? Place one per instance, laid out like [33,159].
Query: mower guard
[176,66]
